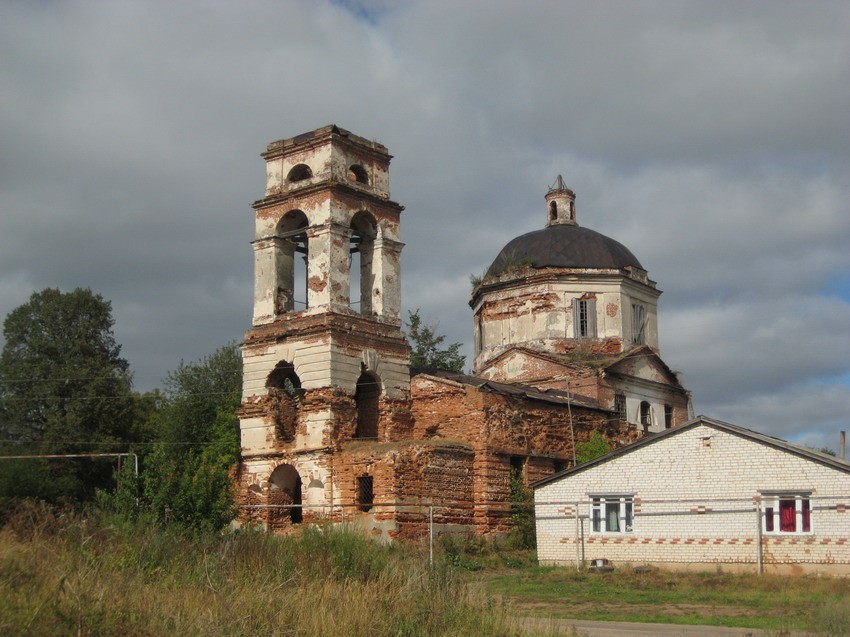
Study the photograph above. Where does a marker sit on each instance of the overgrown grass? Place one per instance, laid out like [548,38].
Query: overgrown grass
[63,573]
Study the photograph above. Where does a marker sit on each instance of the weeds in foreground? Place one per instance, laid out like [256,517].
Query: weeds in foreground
[64,573]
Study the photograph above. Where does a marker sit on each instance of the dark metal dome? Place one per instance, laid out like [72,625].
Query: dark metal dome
[564,246]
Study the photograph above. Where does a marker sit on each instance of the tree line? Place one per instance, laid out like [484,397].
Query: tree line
[65,390]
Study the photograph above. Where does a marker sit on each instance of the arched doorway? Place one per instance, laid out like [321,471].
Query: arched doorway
[285,489]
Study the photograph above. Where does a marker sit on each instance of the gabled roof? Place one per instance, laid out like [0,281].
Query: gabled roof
[553,396]
[749,434]
[610,363]
[642,350]
[567,360]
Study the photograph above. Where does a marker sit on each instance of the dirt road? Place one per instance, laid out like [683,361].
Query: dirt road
[629,629]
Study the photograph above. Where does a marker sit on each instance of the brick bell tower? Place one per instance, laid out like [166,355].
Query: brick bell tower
[325,361]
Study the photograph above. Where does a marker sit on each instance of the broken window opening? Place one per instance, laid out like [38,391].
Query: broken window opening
[645,414]
[367,401]
[638,324]
[620,406]
[358,173]
[284,387]
[668,416]
[299,172]
[361,255]
[284,496]
[292,269]
[365,493]
[553,211]
[518,468]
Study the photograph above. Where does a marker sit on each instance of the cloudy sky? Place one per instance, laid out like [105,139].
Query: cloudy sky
[712,138]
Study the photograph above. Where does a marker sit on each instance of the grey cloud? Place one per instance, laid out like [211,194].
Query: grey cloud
[708,137]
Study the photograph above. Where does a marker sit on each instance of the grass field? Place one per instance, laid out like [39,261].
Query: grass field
[770,602]
[62,573]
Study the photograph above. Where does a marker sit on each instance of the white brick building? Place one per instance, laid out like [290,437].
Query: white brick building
[698,495]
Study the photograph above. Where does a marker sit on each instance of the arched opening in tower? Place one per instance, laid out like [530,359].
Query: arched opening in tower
[294,252]
[357,173]
[285,394]
[367,399]
[361,258]
[299,172]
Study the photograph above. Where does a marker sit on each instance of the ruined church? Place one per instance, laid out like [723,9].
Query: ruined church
[334,422]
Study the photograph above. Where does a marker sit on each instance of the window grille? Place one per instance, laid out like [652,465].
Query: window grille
[620,406]
[365,493]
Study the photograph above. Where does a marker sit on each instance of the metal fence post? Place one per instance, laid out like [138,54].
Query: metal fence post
[759,558]
[431,536]
[578,546]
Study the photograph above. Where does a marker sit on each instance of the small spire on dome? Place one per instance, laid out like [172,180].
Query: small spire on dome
[560,204]
[559,184]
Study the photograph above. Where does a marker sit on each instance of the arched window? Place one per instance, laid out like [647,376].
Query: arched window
[285,489]
[358,173]
[283,377]
[299,172]
[553,211]
[645,414]
[367,400]
[285,392]
[294,249]
[361,254]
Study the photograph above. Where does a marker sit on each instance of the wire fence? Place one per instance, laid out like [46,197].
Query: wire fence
[725,526]
[747,525]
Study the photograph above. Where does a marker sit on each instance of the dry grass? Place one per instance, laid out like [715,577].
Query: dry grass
[64,574]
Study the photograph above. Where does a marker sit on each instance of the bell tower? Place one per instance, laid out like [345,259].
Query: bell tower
[325,360]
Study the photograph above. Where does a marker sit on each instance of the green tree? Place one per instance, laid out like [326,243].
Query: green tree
[426,347]
[594,447]
[186,477]
[522,533]
[64,388]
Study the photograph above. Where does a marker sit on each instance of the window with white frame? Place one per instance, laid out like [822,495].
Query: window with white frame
[786,513]
[584,318]
[612,513]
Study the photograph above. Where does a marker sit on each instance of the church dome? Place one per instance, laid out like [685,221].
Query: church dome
[564,246]
[562,243]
